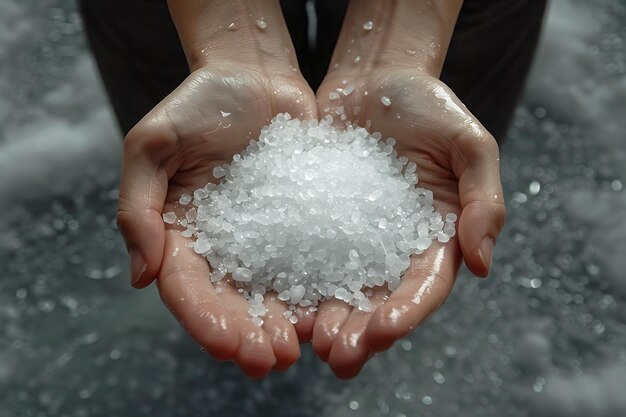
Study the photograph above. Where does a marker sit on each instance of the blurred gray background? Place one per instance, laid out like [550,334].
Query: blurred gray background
[543,336]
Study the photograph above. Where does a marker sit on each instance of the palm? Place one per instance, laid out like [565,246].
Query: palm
[426,120]
[203,123]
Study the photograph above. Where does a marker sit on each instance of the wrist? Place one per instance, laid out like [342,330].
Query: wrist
[405,33]
[250,34]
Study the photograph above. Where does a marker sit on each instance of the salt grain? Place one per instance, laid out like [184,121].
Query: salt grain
[169,218]
[184,199]
[386,101]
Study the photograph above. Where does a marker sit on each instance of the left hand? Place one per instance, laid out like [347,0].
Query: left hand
[459,161]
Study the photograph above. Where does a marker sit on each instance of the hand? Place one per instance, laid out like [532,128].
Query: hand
[210,117]
[458,160]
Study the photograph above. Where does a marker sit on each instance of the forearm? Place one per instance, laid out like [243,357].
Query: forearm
[412,33]
[251,33]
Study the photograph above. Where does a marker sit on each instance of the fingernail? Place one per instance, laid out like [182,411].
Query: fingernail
[137,265]
[484,252]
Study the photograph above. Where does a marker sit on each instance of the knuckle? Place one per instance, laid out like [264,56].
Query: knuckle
[476,142]
[151,137]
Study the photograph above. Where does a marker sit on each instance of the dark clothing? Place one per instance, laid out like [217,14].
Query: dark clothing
[141,60]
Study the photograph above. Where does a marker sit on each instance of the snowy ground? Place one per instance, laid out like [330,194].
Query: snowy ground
[544,336]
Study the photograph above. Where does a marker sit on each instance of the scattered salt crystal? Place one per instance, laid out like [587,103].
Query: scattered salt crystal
[218,172]
[297,293]
[357,59]
[369,25]
[175,253]
[333,95]
[386,101]
[184,199]
[169,218]
[261,23]
[224,114]
[232,27]
[348,89]
[365,305]
[451,217]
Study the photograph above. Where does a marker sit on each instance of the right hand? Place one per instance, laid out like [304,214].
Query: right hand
[172,151]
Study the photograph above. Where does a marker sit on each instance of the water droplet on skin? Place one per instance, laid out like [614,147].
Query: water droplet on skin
[386,101]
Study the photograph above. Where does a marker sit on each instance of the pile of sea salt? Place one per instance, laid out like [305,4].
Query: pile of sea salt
[312,212]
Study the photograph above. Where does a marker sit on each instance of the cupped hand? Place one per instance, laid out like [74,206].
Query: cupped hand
[459,161]
[210,117]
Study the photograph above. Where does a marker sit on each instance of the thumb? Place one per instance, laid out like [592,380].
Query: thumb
[480,191]
[143,188]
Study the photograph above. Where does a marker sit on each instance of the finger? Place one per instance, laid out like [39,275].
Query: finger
[482,217]
[350,350]
[185,288]
[143,188]
[282,334]
[255,355]
[331,315]
[424,288]
[305,323]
